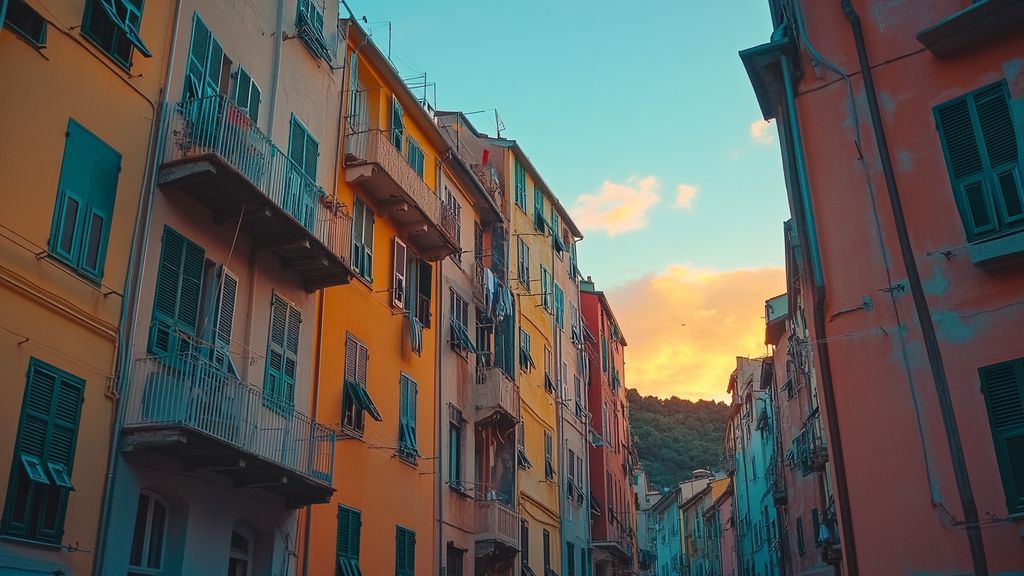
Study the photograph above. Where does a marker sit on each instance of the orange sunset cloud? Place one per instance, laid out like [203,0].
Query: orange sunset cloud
[685,326]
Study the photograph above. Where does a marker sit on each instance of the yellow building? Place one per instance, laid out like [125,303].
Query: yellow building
[80,89]
[377,352]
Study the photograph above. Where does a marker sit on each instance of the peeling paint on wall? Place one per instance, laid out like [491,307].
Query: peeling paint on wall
[905,160]
[951,328]
[937,284]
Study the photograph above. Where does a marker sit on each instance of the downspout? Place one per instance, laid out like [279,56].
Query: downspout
[439,467]
[928,334]
[279,35]
[805,215]
[556,341]
[133,280]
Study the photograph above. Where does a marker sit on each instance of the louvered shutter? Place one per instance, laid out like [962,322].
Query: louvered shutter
[426,283]
[311,155]
[368,241]
[213,68]
[397,126]
[243,89]
[291,352]
[1003,386]
[225,319]
[349,527]
[178,289]
[398,271]
[273,385]
[297,143]
[362,364]
[198,56]
[351,352]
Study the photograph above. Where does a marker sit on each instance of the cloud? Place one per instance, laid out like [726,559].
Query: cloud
[684,196]
[723,316]
[762,133]
[617,208]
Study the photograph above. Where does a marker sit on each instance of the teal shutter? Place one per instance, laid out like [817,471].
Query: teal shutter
[1003,386]
[559,306]
[349,528]
[538,210]
[362,239]
[520,186]
[205,59]
[225,313]
[85,201]
[982,153]
[405,552]
[44,455]
[176,299]
[407,416]
[247,95]
[282,353]
[397,125]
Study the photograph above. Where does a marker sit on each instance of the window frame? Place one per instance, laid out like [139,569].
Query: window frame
[154,500]
[130,31]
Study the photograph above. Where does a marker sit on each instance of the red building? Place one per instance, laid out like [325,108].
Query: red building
[613,508]
[901,131]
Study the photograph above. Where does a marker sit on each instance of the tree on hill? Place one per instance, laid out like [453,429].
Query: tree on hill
[674,437]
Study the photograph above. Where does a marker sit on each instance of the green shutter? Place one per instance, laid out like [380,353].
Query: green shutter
[198,54]
[405,552]
[397,126]
[85,201]
[282,353]
[176,298]
[407,415]
[1003,386]
[44,453]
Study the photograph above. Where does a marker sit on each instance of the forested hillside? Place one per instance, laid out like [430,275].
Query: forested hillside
[674,436]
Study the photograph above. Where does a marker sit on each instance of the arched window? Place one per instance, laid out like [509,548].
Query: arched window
[149,536]
[240,558]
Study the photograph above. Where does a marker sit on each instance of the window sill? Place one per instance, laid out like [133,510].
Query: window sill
[30,542]
[996,252]
[459,489]
[971,27]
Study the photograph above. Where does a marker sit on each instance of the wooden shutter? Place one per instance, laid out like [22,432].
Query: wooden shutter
[213,69]
[225,313]
[311,155]
[291,353]
[1003,386]
[297,143]
[405,552]
[367,241]
[524,541]
[282,351]
[397,126]
[547,551]
[398,271]
[247,95]
[351,355]
[349,528]
[426,283]
[176,299]
[198,56]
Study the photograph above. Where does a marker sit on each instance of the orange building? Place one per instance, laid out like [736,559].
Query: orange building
[903,146]
[378,339]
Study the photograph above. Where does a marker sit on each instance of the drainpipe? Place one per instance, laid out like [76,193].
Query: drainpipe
[133,280]
[279,36]
[928,334]
[809,237]
[439,467]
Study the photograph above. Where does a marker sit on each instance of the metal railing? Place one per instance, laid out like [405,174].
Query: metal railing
[490,181]
[375,146]
[189,391]
[214,125]
[496,521]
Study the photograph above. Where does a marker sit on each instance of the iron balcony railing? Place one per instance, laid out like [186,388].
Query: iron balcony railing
[190,392]
[214,125]
[497,522]
[375,147]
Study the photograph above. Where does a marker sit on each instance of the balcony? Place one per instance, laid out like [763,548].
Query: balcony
[374,164]
[187,408]
[497,524]
[497,396]
[216,153]
[491,182]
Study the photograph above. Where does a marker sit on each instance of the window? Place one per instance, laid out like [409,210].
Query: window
[419,283]
[405,552]
[604,421]
[414,155]
[459,334]
[524,264]
[362,239]
[301,194]
[556,233]
[816,526]
[521,457]
[356,400]
[350,525]
[282,354]
[526,363]
[400,264]
[1003,387]
[407,392]
[149,536]
[581,479]
[247,97]
[85,202]
[455,444]
[538,210]
[240,556]
[114,26]
[559,306]
[577,383]
[563,380]
[574,325]
[397,124]
[549,465]
[524,543]
[547,552]
[26,22]
[454,209]
[549,385]
[571,486]
[205,64]
[981,147]
[44,454]
[570,558]
[309,23]
[545,287]
[220,289]
[604,354]
[176,299]
[574,272]
[520,186]
[454,559]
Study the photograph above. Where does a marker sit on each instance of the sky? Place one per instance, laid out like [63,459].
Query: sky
[641,119]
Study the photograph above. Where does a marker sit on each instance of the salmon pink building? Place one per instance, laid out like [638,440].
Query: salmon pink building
[900,125]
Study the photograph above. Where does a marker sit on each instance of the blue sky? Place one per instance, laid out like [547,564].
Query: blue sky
[620,104]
